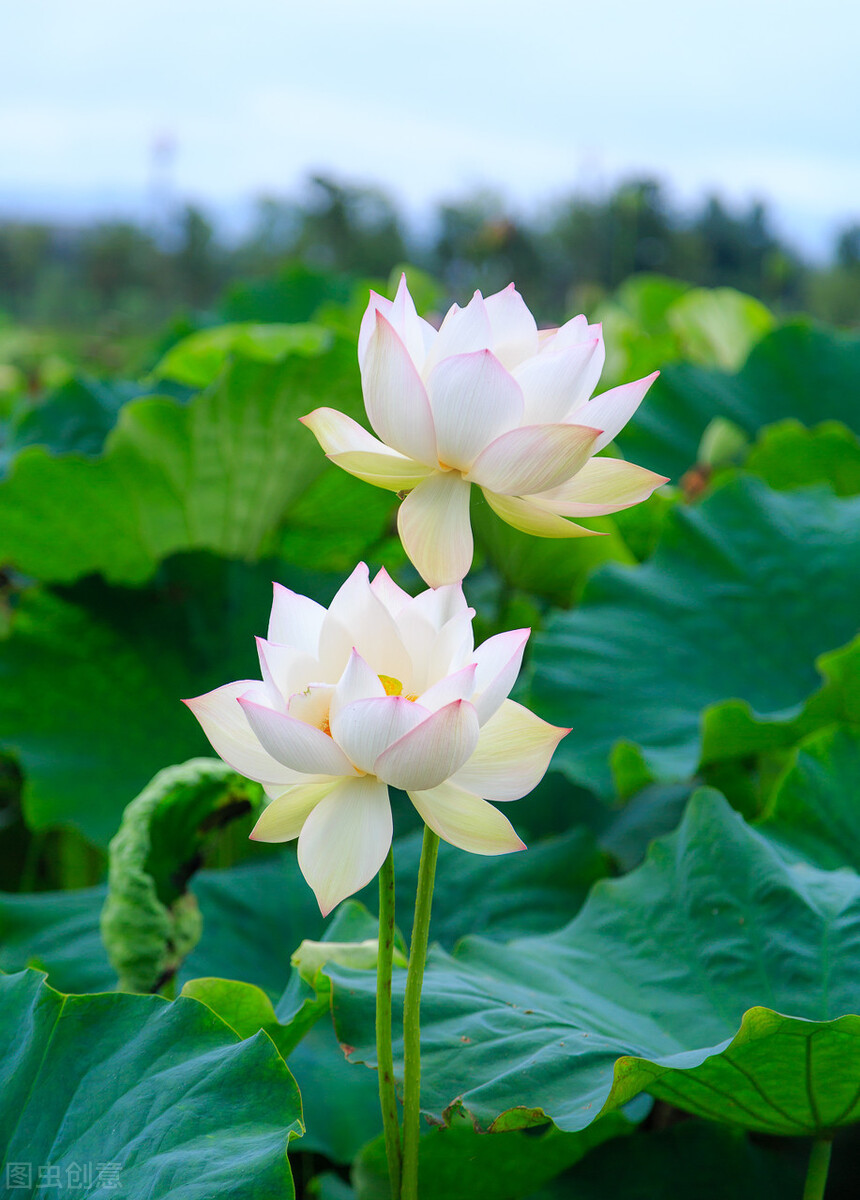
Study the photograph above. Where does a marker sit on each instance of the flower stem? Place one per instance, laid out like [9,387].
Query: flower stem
[412,1015]
[384,1057]
[819,1164]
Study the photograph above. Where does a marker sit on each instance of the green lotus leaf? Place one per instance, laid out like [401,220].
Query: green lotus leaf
[717,976]
[690,1159]
[151,922]
[814,811]
[199,358]
[787,455]
[165,1095]
[457,1161]
[743,595]
[91,682]
[800,370]
[218,473]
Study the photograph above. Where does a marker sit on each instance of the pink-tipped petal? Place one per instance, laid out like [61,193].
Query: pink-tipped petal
[610,411]
[433,522]
[604,485]
[358,619]
[513,752]
[358,682]
[515,335]
[533,459]
[574,331]
[391,594]
[366,728]
[534,519]
[418,335]
[298,746]
[232,738]
[466,820]
[400,475]
[458,686]
[367,329]
[462,331]
[353,449]
[285,670]
[345,839]
[473,399]
[556,384]
[498,662]
[295,620]
[282,820]
[394,396]
[432,751]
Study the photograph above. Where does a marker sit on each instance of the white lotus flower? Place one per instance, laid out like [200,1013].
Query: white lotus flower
[490,400]
[379,689]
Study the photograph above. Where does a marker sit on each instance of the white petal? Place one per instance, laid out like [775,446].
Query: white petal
[382,472]
[394,396]
[462,331]
[466,821]
[433,522]
[515,335]
[421,624]
[513,752]
[432,751]
[358,682]
[458,686]
[312,706]
[534,458]
[357,619]
[285,669]
[574,331]
[299,746]
[603,485]
[367,727]
[391,594]
[367,329]
[440,605]
[353,449]
[295,620]
[555,384]
[282,820]
[417,334]
[498,662]
[610,411]
[232,738]
[345,839]
[473,399]
[534,519]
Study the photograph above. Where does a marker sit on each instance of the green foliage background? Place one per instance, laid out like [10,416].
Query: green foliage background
[662,992]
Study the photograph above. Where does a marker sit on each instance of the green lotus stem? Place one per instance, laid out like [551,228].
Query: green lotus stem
[384,1056]
[412,1015]
[819,1164]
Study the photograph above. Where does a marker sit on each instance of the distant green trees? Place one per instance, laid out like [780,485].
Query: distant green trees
[565,256]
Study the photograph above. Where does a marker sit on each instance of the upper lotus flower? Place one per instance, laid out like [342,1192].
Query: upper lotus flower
[487,399]
[380,689]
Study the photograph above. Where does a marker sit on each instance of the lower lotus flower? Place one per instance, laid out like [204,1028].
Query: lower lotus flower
[381,689]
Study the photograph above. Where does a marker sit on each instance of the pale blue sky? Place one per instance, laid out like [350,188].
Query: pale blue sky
[750,97]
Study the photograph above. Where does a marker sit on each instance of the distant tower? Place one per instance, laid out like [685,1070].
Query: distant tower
[162,192]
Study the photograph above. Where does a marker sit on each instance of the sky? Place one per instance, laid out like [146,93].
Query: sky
[749,98]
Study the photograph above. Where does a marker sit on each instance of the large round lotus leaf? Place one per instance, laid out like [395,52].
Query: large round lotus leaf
[716,976]
[90,684]
[814,811]
[800,370]
[790,456]
[743,594]
[166,1095]
[218,473]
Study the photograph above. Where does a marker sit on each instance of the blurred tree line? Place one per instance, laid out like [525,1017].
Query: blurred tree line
[119,277]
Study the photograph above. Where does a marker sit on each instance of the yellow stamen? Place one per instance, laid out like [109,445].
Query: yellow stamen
[393,687]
